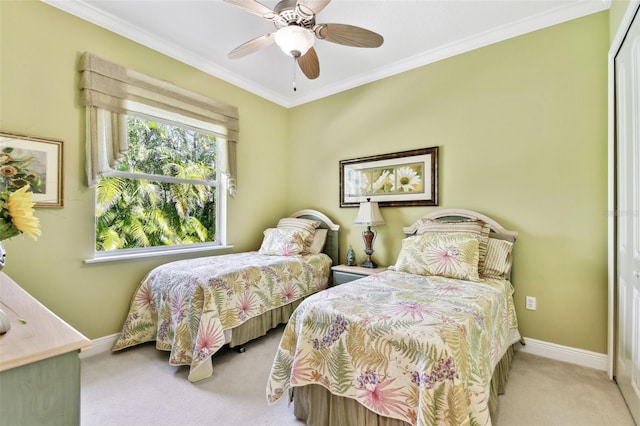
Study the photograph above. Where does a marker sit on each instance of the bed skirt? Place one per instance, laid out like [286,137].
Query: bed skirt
[315,405]
[251,329]
[260,325]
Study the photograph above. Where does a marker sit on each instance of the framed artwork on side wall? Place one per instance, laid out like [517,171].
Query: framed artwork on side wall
[407,178]
[33,161]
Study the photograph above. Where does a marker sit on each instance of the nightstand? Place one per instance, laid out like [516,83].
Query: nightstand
[343,273]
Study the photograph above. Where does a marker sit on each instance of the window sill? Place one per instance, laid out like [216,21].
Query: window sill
[100,258]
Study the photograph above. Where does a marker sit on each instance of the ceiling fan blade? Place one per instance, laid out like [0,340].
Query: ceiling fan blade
[309,64]
[251,46]
[254,7]
[314,6]
[348,35]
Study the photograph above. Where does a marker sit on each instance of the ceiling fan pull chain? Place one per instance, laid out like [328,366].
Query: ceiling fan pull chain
[295,60]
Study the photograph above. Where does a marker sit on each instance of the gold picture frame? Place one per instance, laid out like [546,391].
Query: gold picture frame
[407,178]
[34,161]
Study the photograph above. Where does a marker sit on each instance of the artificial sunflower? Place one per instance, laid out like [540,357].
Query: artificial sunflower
[16,214]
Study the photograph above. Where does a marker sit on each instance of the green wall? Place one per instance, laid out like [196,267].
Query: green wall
[39,51]
[521,127]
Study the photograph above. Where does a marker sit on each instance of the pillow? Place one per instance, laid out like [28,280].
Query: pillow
[505,237]
[304,224]
[498,261]
[319,239]
[283,241]
[477,227]
[299,223]
[451,255]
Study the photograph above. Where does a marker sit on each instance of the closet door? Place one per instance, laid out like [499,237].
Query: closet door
[627,113]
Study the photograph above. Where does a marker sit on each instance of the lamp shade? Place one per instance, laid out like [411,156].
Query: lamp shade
[369,215]
[294,40]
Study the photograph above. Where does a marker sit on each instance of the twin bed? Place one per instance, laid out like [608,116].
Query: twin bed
[428,341]
[194,307]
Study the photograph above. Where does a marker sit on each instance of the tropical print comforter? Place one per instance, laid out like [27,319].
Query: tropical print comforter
[411,347]
[186,305]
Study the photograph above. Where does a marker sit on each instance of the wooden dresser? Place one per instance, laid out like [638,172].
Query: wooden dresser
[39,362]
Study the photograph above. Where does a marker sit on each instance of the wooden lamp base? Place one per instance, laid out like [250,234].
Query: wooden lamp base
[369,237]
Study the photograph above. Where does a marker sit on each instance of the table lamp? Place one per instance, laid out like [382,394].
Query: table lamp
[369,215]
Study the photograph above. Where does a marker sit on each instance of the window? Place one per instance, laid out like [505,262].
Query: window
[163,192]
[161,158]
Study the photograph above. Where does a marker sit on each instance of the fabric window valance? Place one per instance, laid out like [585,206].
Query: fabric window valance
[109,91]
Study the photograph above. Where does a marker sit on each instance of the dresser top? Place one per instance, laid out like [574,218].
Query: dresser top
[36,333]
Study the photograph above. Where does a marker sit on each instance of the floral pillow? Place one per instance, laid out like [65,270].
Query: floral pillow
[303,224]
[478,228]
[451,255]
[283,241]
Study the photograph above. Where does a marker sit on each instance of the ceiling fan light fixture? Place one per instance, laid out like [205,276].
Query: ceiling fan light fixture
[294,40]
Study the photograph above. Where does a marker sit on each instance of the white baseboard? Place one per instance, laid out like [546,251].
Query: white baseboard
[565,353]
[100,345]
[535,347]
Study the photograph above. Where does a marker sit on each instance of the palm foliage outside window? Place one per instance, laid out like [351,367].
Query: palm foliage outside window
[164,192]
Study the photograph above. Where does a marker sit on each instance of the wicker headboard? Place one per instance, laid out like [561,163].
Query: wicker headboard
[460,214]
[331,247]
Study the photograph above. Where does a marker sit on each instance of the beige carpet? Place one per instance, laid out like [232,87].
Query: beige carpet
[138,387]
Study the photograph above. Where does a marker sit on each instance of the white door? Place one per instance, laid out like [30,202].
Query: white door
[627,113]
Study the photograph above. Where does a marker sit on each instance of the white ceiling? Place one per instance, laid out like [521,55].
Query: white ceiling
[416,32]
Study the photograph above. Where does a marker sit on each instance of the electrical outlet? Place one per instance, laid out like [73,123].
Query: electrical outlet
[531,303]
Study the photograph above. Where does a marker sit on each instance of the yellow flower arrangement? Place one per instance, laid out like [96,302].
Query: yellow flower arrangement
[16,214]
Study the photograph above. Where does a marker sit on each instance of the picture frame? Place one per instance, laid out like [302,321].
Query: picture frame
[34,161]
[407,178]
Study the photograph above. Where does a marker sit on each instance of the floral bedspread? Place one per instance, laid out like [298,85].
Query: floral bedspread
[186,305]
[416,348]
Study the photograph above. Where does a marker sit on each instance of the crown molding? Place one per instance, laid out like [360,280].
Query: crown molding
[89,13]
[557,16]
[561,14]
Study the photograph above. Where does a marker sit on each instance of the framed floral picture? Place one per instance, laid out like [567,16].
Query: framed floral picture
[407,178]
[37,162]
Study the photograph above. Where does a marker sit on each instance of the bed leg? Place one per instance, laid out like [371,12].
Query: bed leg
[240,349]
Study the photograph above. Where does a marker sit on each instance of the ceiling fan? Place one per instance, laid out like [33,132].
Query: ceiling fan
[297,30]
